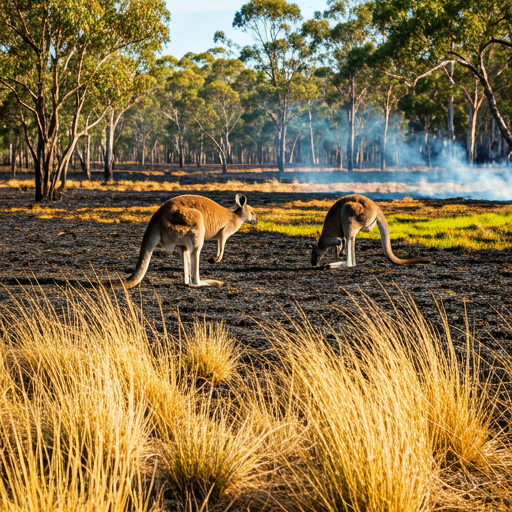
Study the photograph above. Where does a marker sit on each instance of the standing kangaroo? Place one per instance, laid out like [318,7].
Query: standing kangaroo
[344,220]
[185,222]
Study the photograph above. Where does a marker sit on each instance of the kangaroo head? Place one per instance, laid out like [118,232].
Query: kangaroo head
[323,244]
[316,254]
[244,210]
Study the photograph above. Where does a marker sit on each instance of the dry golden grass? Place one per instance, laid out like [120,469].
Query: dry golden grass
[392,415]
[388,415]
[214,457]
[207,182]
[89,444]
[210,352]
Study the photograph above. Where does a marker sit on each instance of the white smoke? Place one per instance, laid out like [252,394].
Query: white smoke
[449,174]
[456,178]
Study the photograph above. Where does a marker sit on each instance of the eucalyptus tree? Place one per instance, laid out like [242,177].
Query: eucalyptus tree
[10,130]
[120,87]
[256,132]
[471,89]
[217,116]
[146,126]
[386,91]
[179,99]
[472,33]
[220,109]
[345,34]
[281,53]
[425,108]
[310,86]
[51,52]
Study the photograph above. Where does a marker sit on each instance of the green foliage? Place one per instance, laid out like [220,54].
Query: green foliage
[431,29]
[53,54]
[303,88]
[275,14]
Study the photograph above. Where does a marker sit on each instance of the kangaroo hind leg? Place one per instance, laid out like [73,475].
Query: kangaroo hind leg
[184,251]
[350,227]
[196,281]
[194,252]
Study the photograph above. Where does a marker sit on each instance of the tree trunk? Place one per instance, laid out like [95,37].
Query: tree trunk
[199,160]
[229,155]
[153,155]
[474,103]
[12,155]
[500,145]
[339,152]
[109,149]
[38,181]
[223,161]
[359,155]
[281,155]
[290,160]
[88,157]
[471,132]
[64,178]
[493,141]
[313,159]
[427,149]
[493,107]
[451,130]
[143,152]
[36,157]
[384,139]
[62,170]
[48,164]
[81,159]
[351,110]
[179,143]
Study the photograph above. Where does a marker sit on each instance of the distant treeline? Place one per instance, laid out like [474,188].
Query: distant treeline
[363,84]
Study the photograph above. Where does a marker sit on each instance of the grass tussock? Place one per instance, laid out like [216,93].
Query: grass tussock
[210,353]
[213,457]
[383,413]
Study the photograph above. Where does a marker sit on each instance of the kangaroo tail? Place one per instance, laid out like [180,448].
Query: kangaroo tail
[386,243]
[149,242]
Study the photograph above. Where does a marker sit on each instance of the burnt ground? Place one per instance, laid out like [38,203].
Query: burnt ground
[266,274]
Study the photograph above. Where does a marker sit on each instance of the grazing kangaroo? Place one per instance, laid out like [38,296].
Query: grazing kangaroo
[185,222]
[344,220]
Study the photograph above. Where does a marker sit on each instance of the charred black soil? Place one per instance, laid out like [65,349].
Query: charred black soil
[267,275]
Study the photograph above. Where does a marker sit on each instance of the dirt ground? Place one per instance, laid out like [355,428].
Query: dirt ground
[267,275]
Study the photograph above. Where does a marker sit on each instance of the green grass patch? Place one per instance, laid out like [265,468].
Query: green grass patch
[475,231]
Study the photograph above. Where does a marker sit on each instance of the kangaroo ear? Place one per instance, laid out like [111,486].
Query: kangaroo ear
[318,232]
[240,200]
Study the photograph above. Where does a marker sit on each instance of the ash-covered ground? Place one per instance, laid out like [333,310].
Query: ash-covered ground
[267,275]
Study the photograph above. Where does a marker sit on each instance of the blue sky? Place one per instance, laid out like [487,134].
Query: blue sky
[195,21]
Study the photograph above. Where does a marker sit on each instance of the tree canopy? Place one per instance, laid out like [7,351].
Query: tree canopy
[51,55]
[381,83]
